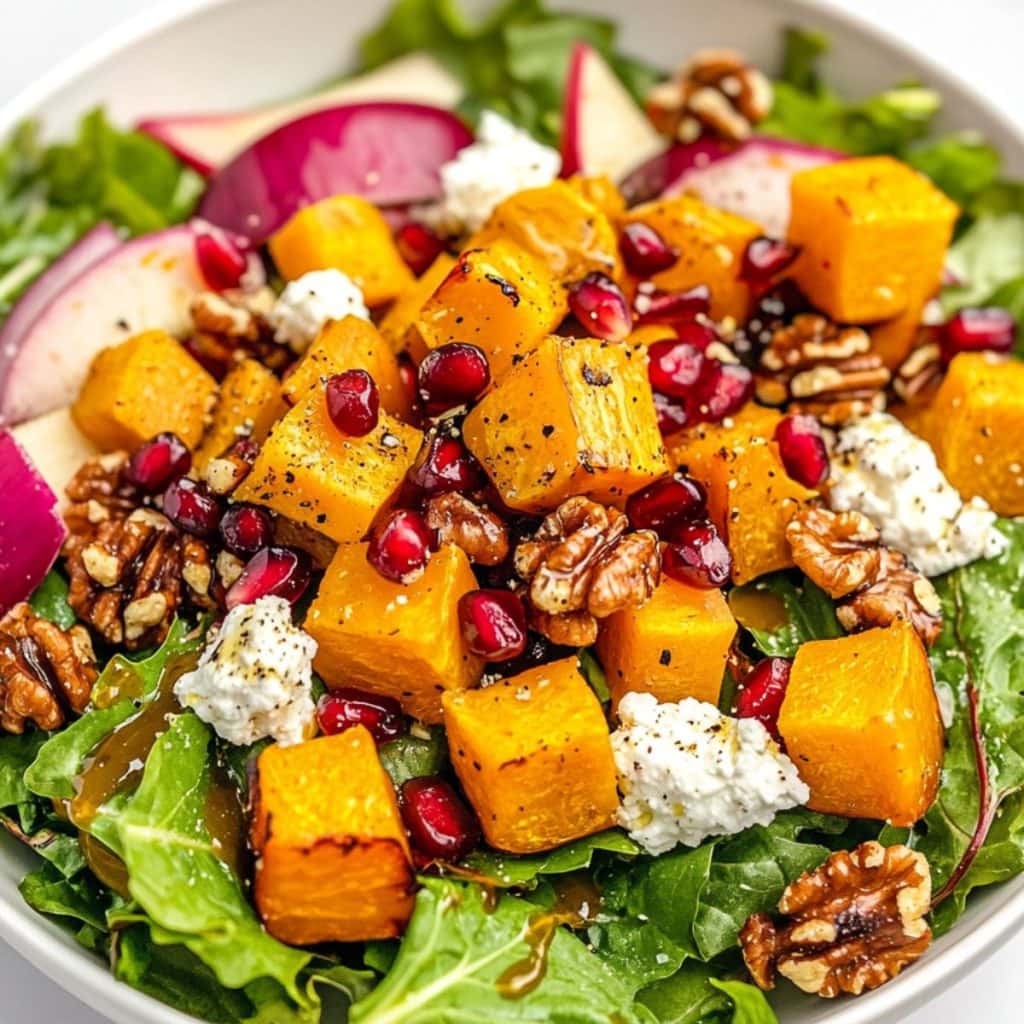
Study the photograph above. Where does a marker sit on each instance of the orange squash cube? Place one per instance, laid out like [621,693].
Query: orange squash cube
[351,344]
[141,387]
[674,646]
[311,472]
[332,858]
[893,339]
[534,756]
[399,640]
[873,235]
[396,326]
[501,299]
[344,233]
[600,190]
[861,722]
[250,403]
[574,417]
[711,245]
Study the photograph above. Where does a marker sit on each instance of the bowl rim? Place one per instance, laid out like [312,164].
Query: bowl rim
[86,977]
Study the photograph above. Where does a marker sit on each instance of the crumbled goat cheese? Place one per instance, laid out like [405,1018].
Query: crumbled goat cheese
[889,474]
[254,679]
[687,772]
[502,161]
[308,302]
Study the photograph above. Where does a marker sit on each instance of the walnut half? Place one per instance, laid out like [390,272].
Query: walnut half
[851,925]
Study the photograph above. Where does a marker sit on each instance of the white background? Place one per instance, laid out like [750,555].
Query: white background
[980,40]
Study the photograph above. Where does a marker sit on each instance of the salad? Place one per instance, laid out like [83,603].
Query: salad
[518,535]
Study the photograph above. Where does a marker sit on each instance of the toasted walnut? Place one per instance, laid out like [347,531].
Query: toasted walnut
[715,93]
[231,326]
[46,673]
[839,551]
[99,491]
[225,473]
[919,374]
[569,629]
[478,531]
[852,925]
[215,314]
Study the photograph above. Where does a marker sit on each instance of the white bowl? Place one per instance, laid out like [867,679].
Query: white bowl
[204,55]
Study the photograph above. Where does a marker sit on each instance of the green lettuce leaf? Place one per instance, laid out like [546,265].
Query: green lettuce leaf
[749,1003]
[410,757]
[962,166]
[988,255]
[50,600]
[79,904]
[808,613]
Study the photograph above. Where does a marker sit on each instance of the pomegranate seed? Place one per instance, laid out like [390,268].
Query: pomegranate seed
[598,303]
[803,450]
[353,402]
[445,464]
[223,259]
[654,307]
[666,502]
[341,709]
[978,330]
[245,529]
[400,548]
[493,624]
[440,824]
[158,462]
[453,375]
[418,246]
[697,555]
[674,367]
[723,390]
[672,414]
[761,694]
[765,258]
[191,505]
[645,252]
[407,374]
[272,572]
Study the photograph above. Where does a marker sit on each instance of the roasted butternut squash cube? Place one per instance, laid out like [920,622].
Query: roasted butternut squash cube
[674,646]
[351,344]
[332,858]
[711,245]
[751,497]
[600,190]
[873,235]
[399,640]
[311,472]
[344,233]
[574,417]
[141,387]
[975,423]
[501,299]
[861,723]
[534,756]
[559,226]
[893,339]
[249,404]
[396,326]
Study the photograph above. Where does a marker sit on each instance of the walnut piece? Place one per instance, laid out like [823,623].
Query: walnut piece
[852,925]
[231,326]
[46,673]
[99,491]
[477,530]
[920,374]
[839,551]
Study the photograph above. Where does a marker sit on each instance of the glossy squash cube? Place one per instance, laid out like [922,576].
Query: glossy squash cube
[399,640]
[574,417]
[861,723]
[873,235]
[332,858]
[141,387]
[534,756]
[397,323]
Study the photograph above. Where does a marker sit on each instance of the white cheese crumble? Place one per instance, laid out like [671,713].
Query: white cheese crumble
[889,474]
[502,161]
[687,772]
[308,302]
[254,679]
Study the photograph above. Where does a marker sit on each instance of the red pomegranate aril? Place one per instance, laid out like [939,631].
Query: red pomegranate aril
[272,572]
[192,506]
[666,502]
[493,624]
[989,329]
[697,555]
[723,390]
[654,307]
[353,402]
[153,466]
[346,707]
[765,258]
[418,246]
[439,823]
[674,367]
[245,529]
[400,547]
[453,375]
[644,251]
[222,259]
[444,464]
[672,414]
[803,450]
[761,694]
[599,305]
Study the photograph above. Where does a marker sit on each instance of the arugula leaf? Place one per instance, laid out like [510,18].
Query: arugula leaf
[50,600]
[687,997]
[80,902]
[749,1003]
[455,952]
[801,51]
[592,670]
[16,754]
[410,757]
[962,166]
[58,848]
[805,612]
[639,953]
[988,255]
